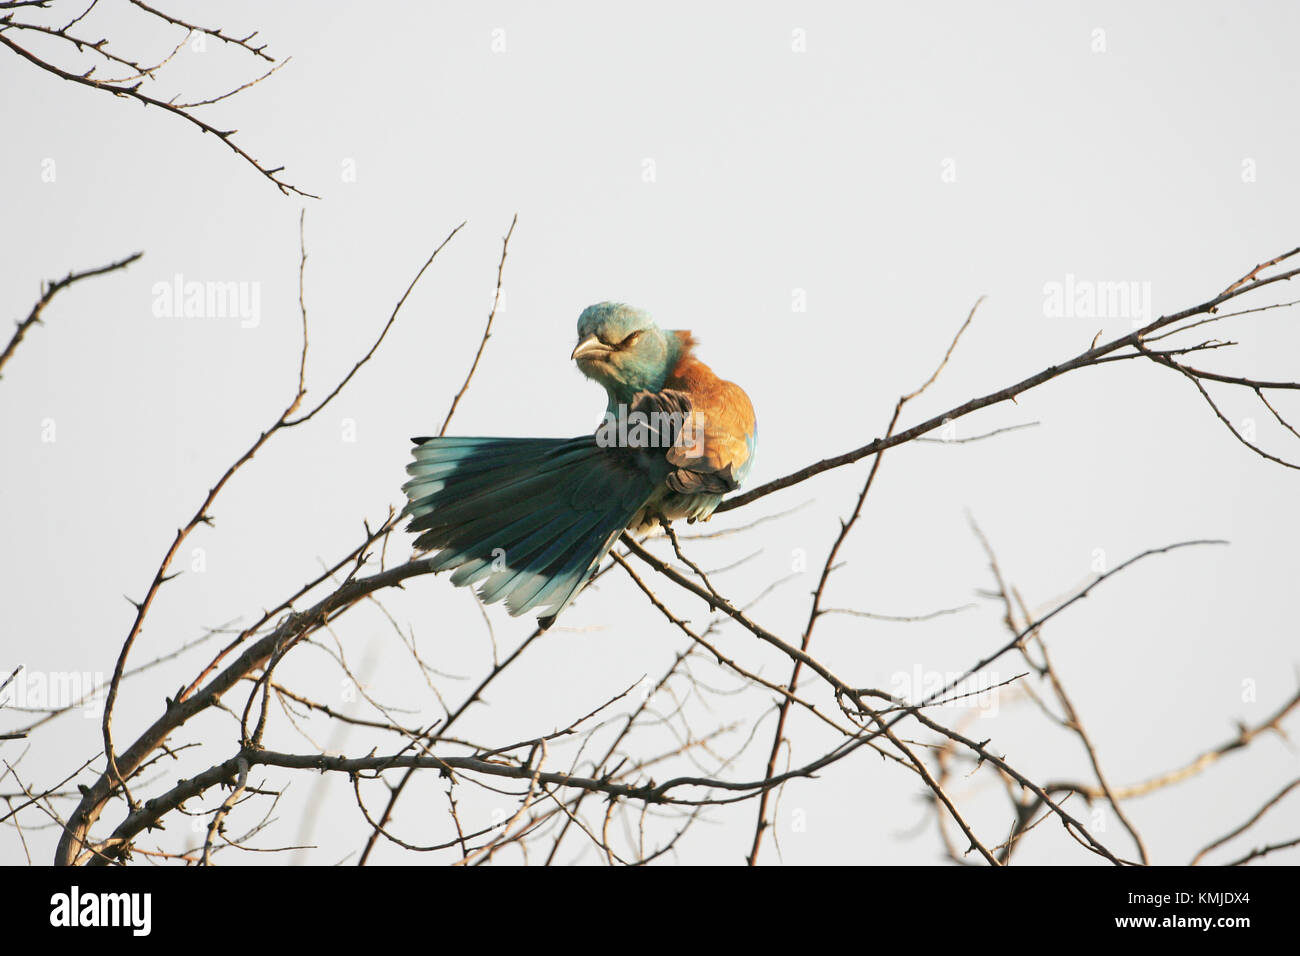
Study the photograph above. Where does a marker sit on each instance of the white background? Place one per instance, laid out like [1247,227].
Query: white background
[774,171]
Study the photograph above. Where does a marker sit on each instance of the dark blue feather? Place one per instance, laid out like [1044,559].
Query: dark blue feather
[526,519]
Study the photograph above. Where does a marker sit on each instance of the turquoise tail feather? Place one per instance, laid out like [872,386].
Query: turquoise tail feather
[528,520]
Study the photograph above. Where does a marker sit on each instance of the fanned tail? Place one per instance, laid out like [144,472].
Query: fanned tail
[526,519]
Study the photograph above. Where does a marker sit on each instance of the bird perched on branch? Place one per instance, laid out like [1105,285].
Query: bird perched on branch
[529,519]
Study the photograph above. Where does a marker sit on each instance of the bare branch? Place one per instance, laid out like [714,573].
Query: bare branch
[487,329]
[52,289]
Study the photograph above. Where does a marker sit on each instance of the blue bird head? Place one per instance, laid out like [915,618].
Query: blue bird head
[621,348]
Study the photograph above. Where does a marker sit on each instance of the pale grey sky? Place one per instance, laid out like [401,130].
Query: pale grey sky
[880,166]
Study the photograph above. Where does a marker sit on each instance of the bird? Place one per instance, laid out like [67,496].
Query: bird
[528,520]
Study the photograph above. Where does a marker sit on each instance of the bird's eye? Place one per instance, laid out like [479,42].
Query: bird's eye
[630,339]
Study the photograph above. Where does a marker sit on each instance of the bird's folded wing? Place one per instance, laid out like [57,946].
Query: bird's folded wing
[715,455]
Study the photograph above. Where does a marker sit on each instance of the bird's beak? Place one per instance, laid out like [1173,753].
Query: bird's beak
[590,348]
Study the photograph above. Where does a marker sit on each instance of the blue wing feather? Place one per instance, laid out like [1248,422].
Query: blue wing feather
[528,520]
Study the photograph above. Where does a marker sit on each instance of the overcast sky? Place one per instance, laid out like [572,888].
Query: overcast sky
[821,193]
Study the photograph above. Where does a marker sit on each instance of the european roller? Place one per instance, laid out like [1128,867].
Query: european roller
[529,519]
